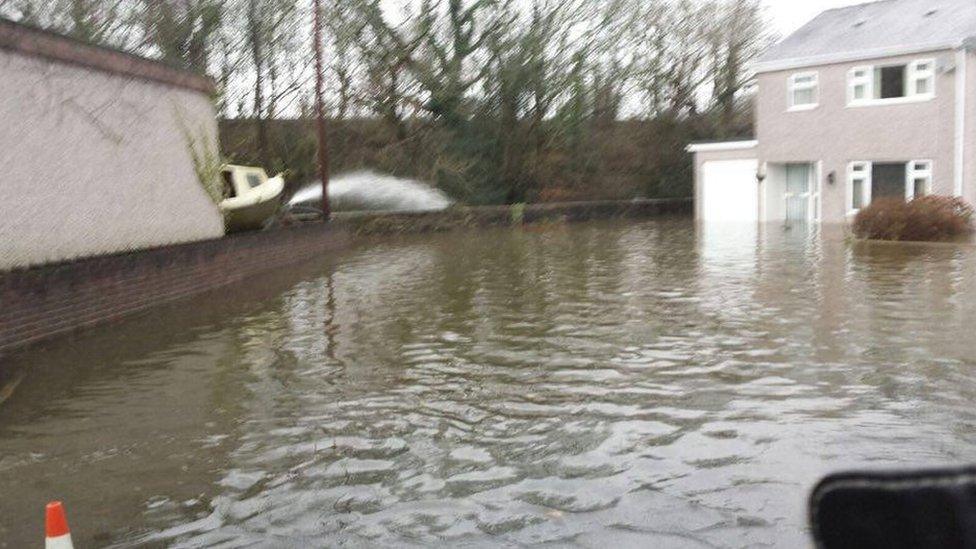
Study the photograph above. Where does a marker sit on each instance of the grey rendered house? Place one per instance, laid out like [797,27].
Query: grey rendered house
[866,101]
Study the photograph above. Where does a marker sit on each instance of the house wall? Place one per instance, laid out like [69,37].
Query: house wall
[837,134]
[95,151]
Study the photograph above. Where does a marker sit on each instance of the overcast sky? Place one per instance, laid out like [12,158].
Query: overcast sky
[789,15]
[786,15]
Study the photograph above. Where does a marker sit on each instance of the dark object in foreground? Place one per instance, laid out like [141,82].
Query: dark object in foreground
[925,219]
[919,510]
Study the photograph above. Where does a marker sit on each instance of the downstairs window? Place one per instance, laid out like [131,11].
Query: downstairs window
[867,181]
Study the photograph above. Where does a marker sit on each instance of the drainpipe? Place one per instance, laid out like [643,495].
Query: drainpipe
[960,150]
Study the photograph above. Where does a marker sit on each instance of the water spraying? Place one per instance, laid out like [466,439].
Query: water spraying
[370,191]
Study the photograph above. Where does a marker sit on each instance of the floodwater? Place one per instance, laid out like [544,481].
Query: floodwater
[637,384]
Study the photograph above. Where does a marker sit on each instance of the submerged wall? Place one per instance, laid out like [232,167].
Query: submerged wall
[49,300]
[46,301]
[95,151]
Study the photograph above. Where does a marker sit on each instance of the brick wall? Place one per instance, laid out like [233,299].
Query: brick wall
[40,302]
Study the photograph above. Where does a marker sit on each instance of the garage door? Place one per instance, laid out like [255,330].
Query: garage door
[730,191]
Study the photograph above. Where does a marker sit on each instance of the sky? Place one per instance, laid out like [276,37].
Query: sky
[789,15]
[786,15]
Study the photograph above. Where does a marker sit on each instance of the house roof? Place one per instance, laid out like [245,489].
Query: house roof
[876,29]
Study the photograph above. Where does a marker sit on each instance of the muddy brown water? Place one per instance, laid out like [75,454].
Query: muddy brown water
[634,384]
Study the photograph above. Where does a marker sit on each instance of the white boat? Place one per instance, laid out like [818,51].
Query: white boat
[251,198]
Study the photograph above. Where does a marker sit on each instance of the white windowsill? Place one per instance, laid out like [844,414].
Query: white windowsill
[892,101]
[801,108]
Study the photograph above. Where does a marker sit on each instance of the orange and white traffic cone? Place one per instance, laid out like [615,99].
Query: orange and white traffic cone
[57,534]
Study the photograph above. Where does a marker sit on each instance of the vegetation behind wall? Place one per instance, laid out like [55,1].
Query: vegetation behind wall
[495,101]
[618,160]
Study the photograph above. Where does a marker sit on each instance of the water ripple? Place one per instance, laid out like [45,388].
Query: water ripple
[637,384]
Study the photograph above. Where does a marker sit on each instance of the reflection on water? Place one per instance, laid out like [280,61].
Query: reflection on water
[643,384]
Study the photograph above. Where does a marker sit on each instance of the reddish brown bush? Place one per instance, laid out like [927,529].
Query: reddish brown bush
[930,218]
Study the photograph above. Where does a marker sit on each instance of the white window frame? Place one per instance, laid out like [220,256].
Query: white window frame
[864,174]
[918,169]
[794,86]
[816,192]
[914,169]
[915,71]
[866,80]
[919,70]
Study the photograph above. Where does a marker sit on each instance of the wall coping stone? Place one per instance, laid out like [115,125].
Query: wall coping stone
[34,42]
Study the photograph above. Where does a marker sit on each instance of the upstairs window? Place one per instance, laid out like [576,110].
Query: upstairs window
[803,92]
[891,83]
[861,83]
[921,78]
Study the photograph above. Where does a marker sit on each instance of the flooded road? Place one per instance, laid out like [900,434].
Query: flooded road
[635,384]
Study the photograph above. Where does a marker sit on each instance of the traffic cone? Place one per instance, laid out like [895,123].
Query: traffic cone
[57,534]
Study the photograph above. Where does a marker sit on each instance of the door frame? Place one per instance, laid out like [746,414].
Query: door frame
[814,194]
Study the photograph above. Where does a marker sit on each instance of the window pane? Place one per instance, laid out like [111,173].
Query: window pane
[892,80]
[888,181]
[797,178]
[803,97]
[860,91]
[857,188]
[921,186]
[922,86]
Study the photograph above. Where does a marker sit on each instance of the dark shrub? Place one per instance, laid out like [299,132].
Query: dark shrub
[929,218]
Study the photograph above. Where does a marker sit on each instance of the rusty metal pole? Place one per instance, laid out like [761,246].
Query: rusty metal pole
[323,134]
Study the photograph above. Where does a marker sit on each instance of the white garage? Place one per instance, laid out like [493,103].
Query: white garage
[726,188]
[730,191]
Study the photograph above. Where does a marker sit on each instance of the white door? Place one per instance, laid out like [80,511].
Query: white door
[730,191]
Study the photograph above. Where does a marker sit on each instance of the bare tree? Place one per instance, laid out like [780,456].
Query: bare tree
[673,50]
[270,33]
[439,45]
[739,38]
[495,99]
[104,22]
[183,30]
[344,30]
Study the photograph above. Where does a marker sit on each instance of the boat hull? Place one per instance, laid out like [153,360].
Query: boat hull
[253,211]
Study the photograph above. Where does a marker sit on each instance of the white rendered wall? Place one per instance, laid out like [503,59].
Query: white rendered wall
[93,162]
